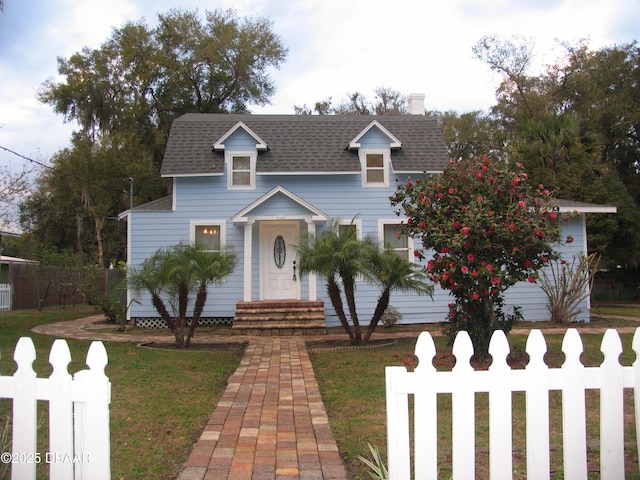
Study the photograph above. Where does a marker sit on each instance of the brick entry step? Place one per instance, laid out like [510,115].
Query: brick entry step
[280,318]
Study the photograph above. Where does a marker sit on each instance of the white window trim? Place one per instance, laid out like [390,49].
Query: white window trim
[386,158]
[394,221]
[356,222]
[228,160]
[197,223]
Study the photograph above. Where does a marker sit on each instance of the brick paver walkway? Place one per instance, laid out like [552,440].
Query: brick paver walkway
[270,423]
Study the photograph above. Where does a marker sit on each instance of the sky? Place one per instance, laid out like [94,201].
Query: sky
[335,47]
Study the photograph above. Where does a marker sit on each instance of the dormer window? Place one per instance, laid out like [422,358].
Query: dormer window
[241,146]
[375,168]
[374,145]
[241,171]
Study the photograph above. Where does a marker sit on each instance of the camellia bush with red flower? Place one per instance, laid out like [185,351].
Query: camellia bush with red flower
[485,228]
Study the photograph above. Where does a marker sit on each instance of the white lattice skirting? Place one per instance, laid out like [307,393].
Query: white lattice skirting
[156,322]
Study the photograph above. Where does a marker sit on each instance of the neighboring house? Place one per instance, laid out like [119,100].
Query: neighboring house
[256,182]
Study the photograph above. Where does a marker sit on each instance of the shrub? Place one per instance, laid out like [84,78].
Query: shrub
[566,285]
[391,316]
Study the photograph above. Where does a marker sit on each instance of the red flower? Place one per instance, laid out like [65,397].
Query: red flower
[470,257]
[531,279]
[465,230]
[465,269]
[527,263]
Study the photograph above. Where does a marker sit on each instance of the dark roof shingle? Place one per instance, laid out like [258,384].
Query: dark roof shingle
[301,143]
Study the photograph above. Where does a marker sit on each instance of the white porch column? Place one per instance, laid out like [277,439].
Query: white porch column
[248,250]
[313,294]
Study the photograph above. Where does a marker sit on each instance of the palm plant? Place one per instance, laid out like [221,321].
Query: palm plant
[150,277]
[207,268]
[340,258]
[175,273]
[393,273]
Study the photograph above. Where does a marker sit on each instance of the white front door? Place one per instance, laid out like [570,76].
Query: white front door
[279,280]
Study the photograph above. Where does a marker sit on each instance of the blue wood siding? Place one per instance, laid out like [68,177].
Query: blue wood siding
[240,140]
[207,198]
[374,138]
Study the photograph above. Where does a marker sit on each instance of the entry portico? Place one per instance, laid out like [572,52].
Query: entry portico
[280,217]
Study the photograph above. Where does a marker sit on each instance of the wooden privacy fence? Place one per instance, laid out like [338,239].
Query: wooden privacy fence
[499,381]
[79,443]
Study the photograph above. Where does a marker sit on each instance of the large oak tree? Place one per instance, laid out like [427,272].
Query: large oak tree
[124,97]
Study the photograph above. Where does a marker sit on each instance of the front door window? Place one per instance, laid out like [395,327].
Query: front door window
[278,280]
[279,251]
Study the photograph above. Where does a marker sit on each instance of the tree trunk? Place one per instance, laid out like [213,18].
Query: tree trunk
[99,222]
[79,229]
[333,290]
[383,303]
[483,336]
[183,300]
[350,293]
[201,299]
[164,314]
[162,310]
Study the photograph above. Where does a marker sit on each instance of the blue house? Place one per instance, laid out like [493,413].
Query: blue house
[256,182]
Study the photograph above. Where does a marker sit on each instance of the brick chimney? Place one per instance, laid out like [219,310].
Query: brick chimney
[416,103]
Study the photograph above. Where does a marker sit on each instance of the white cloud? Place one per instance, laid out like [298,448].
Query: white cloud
[335,47]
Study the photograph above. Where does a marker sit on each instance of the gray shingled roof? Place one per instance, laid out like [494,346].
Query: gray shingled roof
[161,204]
[301,143]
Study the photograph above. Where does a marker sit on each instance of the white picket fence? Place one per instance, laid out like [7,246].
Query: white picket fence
[79,443]
[536,380]
[5,297]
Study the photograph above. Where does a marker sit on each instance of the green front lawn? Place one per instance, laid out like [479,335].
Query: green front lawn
[161,399]
[352,385]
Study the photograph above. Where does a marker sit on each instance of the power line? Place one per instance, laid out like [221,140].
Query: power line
[34,161]
[92,182]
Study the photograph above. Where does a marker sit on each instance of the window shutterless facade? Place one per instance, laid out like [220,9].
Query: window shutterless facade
[210,233]
[375,168]
[390,236]
[241,170]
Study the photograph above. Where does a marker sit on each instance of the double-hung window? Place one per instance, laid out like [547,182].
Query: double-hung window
[241,170]
[375,168]
[391,236]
